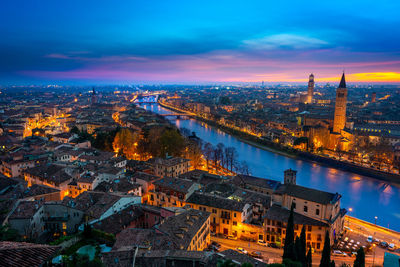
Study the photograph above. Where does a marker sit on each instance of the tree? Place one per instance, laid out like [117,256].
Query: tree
[194,153]
[208,152]
[75,130]
[242,168]
[302,250]
[226,263]
[360,258]
[8,234]
[309,258]
[171,143]
[326,252]
[230,157]
[289,249]
[125,143]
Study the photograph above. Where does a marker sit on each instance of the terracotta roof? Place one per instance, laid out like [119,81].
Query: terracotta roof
[210,200]
[281,214]
[309,194]
[25,254]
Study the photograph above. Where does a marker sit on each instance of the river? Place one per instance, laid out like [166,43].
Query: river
[367,197]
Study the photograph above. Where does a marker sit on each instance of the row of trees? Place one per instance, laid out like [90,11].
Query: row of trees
[226,157]
[294,251]
[163,140]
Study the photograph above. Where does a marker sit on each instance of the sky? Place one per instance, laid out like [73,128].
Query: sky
[123,42]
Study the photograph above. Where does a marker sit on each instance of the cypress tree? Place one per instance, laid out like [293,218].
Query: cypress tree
[332,264]
[326,252]
[303,249]
[297,248]
[288,249]
[360,258]
[309,258]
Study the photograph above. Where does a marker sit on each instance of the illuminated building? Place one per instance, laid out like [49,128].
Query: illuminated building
[310,91]
[339,120]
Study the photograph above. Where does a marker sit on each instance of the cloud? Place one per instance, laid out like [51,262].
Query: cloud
[285,41]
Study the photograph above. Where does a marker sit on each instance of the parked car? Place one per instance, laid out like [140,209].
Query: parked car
[241,250]
[262,243]
[384,244]
[256,254]
[391,247]
[215,244]
[370,239]
[273,245]
[339,253]
[232,237]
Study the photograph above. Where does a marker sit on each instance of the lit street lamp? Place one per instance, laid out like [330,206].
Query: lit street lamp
[376,218]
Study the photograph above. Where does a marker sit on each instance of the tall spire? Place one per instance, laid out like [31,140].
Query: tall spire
[342,82]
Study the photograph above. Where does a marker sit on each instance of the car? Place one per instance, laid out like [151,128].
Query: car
[273,245]
[346,239]
[370,239]
[384,244]
[232,237]
[376,241]
[391,247]
[262,243]
[339,253]
[241,250]
[215,244]
[255,254]
[352,241]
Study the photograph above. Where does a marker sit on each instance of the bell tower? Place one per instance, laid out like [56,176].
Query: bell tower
[339,120]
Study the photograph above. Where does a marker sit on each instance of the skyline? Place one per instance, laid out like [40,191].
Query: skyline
[172,42]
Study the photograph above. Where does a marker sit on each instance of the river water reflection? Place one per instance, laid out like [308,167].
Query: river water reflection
[366,196]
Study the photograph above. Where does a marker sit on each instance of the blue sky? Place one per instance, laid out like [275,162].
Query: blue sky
[198,41]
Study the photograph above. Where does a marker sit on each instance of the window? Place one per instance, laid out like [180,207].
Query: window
[318,246]
[234,223]
[309,228]
[305,209]
[317,212]
[308,236]
[234,214]
[319,238]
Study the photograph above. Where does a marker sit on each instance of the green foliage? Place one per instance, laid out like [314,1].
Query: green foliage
[300,140]
[171,142]
[87,231]
[302,249]
[326,252]
[289,248]
[225,100]
[291,263]
[81,261]
[226,263]
[309,258]
[75,130]
[9,234]
[246,264]
[98,234]
[360,258]
[61,239]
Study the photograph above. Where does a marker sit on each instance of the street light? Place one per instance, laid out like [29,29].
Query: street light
[376,218]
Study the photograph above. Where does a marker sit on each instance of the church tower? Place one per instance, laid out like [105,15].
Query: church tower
[339,121]
[310,89]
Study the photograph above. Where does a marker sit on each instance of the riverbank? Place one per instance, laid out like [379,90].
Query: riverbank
[296,154]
